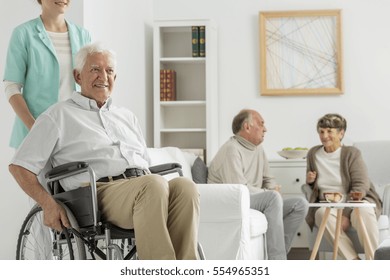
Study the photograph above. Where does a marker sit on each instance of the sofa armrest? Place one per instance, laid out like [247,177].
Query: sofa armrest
[223,202]
[224,227]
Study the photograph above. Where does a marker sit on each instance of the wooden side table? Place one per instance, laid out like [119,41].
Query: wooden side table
[369,252]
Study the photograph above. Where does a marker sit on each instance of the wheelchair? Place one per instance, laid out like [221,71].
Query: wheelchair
[88,233]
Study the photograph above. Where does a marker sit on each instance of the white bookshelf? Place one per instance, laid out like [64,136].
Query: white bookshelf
[190,122]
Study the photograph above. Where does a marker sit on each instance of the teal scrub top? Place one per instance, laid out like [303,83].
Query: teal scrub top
[31,61]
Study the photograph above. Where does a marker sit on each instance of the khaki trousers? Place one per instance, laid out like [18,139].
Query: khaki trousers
[164,215]
[346,248]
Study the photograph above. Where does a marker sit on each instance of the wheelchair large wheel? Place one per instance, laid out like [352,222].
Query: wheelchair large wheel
[38,242]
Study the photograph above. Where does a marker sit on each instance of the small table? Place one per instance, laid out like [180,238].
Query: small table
[369,252]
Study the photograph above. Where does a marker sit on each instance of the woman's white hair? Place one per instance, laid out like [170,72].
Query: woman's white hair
[82,55]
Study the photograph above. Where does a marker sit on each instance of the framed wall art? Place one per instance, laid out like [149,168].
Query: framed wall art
[301,52]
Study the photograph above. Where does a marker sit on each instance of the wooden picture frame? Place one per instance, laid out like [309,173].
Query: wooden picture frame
[301,52]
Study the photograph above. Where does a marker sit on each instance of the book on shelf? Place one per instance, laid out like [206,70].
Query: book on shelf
[171,85]
[167,85]
[202,41]
[195,41]
[163,75]
[198,41]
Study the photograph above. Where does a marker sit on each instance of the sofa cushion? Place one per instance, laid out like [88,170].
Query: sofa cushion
[171,154]
[199,171]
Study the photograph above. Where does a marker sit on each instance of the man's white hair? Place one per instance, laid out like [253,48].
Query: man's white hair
[82,54]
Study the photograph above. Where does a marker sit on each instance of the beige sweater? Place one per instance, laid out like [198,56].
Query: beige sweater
[240,162]
[354,177]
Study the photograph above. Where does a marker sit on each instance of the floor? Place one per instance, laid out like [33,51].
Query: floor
[299,254]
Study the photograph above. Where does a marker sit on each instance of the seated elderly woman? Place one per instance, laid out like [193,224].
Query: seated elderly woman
[333,167]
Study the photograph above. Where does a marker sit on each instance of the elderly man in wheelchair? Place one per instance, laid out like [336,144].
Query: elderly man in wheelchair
[98,151]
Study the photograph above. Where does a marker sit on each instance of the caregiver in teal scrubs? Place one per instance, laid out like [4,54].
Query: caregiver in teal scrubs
[39,65]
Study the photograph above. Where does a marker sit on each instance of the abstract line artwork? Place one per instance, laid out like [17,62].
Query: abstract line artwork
[300,52]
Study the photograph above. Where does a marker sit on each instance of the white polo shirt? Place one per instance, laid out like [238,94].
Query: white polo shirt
[108,138]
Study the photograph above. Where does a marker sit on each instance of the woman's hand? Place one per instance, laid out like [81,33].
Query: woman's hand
[22,111]
[311,177]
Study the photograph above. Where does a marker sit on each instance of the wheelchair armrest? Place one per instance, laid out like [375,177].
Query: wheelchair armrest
[166,168]
[70,169]
[67,169]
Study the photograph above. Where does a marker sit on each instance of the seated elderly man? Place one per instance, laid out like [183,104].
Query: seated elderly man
[242,160]
[88,127]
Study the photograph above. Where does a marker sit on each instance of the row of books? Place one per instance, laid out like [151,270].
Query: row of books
[167,85]
[198,41]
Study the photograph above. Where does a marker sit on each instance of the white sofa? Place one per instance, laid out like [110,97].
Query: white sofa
[228,228]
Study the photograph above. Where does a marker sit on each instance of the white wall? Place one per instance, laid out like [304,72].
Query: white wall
[291,120]
[126,25]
